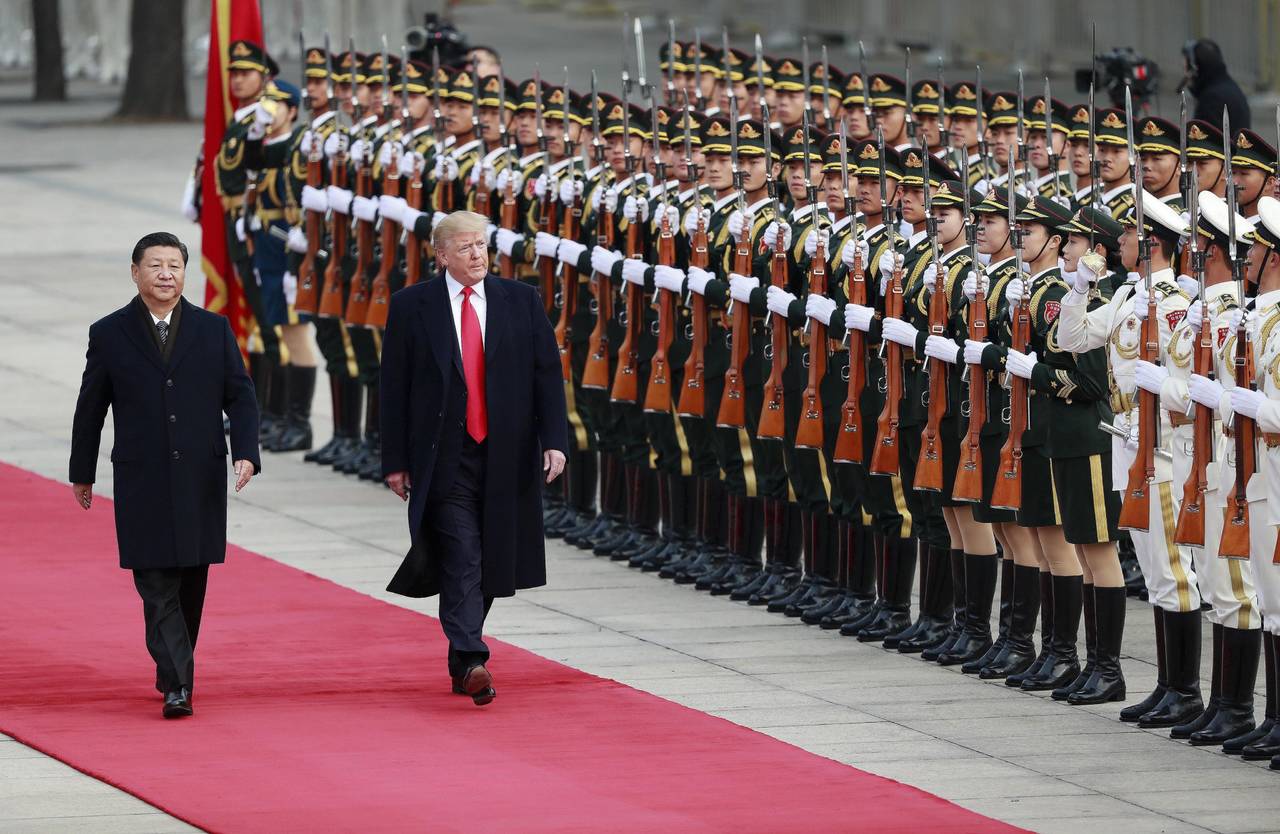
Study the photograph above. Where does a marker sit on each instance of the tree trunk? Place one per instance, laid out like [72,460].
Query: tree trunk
[156,86]
[50,81]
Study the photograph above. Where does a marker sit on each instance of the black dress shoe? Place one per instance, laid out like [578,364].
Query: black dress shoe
[478,683]
[177,703]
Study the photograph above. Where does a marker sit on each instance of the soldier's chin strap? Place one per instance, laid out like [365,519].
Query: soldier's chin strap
[1046,246]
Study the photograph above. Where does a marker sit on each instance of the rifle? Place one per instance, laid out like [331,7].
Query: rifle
[968,482]
[929,466]
[571,222]
[1135,513]
[697,66]
[693,402]
[1095,167]
[773,410]
[657,397]
[1007,494]
[732,412]
[307,300]
[826,90]
[596,372]
[1024,155]
[380,293]
[546,208]
[358,297]
[507,218]
[848,447]
[626,381]
[671,62]
[1235,526]
[477,128]
[1054,162]
[984,150]
[1190,529]
[414,199]
[331,296]
[444,189]
[809,430]
[884,457]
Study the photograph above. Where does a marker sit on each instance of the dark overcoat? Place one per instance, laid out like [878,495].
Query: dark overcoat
[423,420]
[170,455]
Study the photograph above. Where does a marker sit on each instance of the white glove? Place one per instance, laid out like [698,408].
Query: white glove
[365,208]
[889,261]
[392,208]
[668,278]
[339,199]
[940,347]
[335,143]
[1235,319]
[931,278]
[506,240]
[973,350]
[387,152]
[602,260]
[1014,290]
[512,176]
[858,317]
[540,186]
[409,217]
[1132,277]
[672,215]
[412,162]
[290,283]
[691,220]
[1189,285]
[297,240]
[897,330]
[1089,269]
[1195,312]
[1140,299]
[545,245]
[633,270]
[304,146]
[970,285]
[490,230]
[1131,439]
[636,211]
[446,168]
[1207,392]
[1148,376]
[811,242]
[609,201]
[240,229]
[189,201]
[437,217]
[779,301]
[819,308]
[262,119]
[770,236]
[738,224]
[570,190]
[1021,364]
[570,251]
[740,286]
[314,199]
[474,176]
[846,254]
[358,148]
[698,280]
[1247,401]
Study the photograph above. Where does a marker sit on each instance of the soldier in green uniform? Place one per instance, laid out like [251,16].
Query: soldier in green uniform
[1078,156]
[1052,177]
[1111,138]
[1204,150]
[1253,164]
[961,110]
[889,103]
[1159,145]
[927,104]
[1002,128]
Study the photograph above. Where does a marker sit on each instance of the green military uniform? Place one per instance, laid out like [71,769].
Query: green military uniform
[1055,185]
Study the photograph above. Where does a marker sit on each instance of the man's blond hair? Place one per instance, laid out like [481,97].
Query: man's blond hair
[457,223]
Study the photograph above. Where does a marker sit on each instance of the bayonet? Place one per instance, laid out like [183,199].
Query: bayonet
[1144,242]
[984,158]
[568,150]
[808,94]
[437,114]
[1236,272]
[477,127]
[734,167]
[689,167]
[727,57]
[760,75]
[1191,192]
[1095,170]
[910,114]
[597,146]
[302,61]
[645,90]
[810,190]
[850,209]
[405,117]
[697,66]
[826,90]
[866,84]
[355,65]
[1024,159]
[770,184]
[538,125]
[386,82]
[503,134]
[671,62]
[328,71]
[1048,140]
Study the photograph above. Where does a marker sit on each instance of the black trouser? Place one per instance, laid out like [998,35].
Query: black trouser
[172,601]
[454,524]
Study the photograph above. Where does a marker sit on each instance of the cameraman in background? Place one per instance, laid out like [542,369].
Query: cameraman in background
[1207,79]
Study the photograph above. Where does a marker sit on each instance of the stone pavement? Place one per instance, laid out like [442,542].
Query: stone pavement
[68,224]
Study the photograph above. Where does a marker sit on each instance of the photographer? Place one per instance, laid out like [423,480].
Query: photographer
[1207,79]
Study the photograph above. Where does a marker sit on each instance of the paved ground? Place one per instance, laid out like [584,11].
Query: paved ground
[78,193]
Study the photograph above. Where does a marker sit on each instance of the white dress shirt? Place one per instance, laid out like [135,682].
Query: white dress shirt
[477,301]
[156,320]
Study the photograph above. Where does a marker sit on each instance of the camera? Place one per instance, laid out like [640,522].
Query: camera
[436,34]
[1120,67]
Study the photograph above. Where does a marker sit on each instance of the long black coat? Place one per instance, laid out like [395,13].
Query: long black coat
[170,454]
[422,382]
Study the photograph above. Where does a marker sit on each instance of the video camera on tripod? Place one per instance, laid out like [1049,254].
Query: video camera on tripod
[1120,67]
[436,33]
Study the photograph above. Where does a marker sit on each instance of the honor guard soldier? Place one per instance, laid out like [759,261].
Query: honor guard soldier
[1078,150]
[962,126]
[1159,144]
[1048,164]
[1115,190]
[1204,148]
[1253,162]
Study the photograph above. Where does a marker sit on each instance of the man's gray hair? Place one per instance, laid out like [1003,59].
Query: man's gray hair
[459,222]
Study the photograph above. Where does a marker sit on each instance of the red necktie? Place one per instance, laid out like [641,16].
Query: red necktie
[473,368]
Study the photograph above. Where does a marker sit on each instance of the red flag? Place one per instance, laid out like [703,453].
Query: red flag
[231,20]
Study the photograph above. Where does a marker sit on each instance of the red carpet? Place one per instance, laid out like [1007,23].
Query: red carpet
[320,709]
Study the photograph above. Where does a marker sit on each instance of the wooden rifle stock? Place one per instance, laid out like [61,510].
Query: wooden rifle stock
[929,467]
[331,297]
[596,373]
[358,298]
[657,395]
[1190,529]
[1235,522]
[547,266]
[773,422]
[849,442]
[626,383]
[968,484]
[380,294]
[693,394]
[568,293]
[308,297]
[1135,512]
[412,245]
[809,430]
[733,401]
[1007,494]
[884,457]
[507,266]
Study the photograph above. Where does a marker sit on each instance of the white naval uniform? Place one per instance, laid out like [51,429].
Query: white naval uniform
[1262,543]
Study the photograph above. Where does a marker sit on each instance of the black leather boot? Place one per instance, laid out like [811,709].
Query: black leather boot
[816,586]
[787,558]
[1019,650]
[694,500]
[1006,612]
[371,470]
[873,564]
[664,553]
[765,584]
[1133,712]
[335,408]
[1090,645]
[611,508]
[1240,651]
[1106,684]
[858,557]
[958,603]
[1063,664]
[744,535]
[980,588]
[646,517]
[275,394]
[893,639]
[301,390]
[1046,632]
[935,603]
[709,533]
[900,570]
[359,458]
[352,416]
[838,532]
[1185,729]
[1180,647]
[1266,745]
[625,533]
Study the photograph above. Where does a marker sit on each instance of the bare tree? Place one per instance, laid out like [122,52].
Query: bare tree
[156,86]
[51,80]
